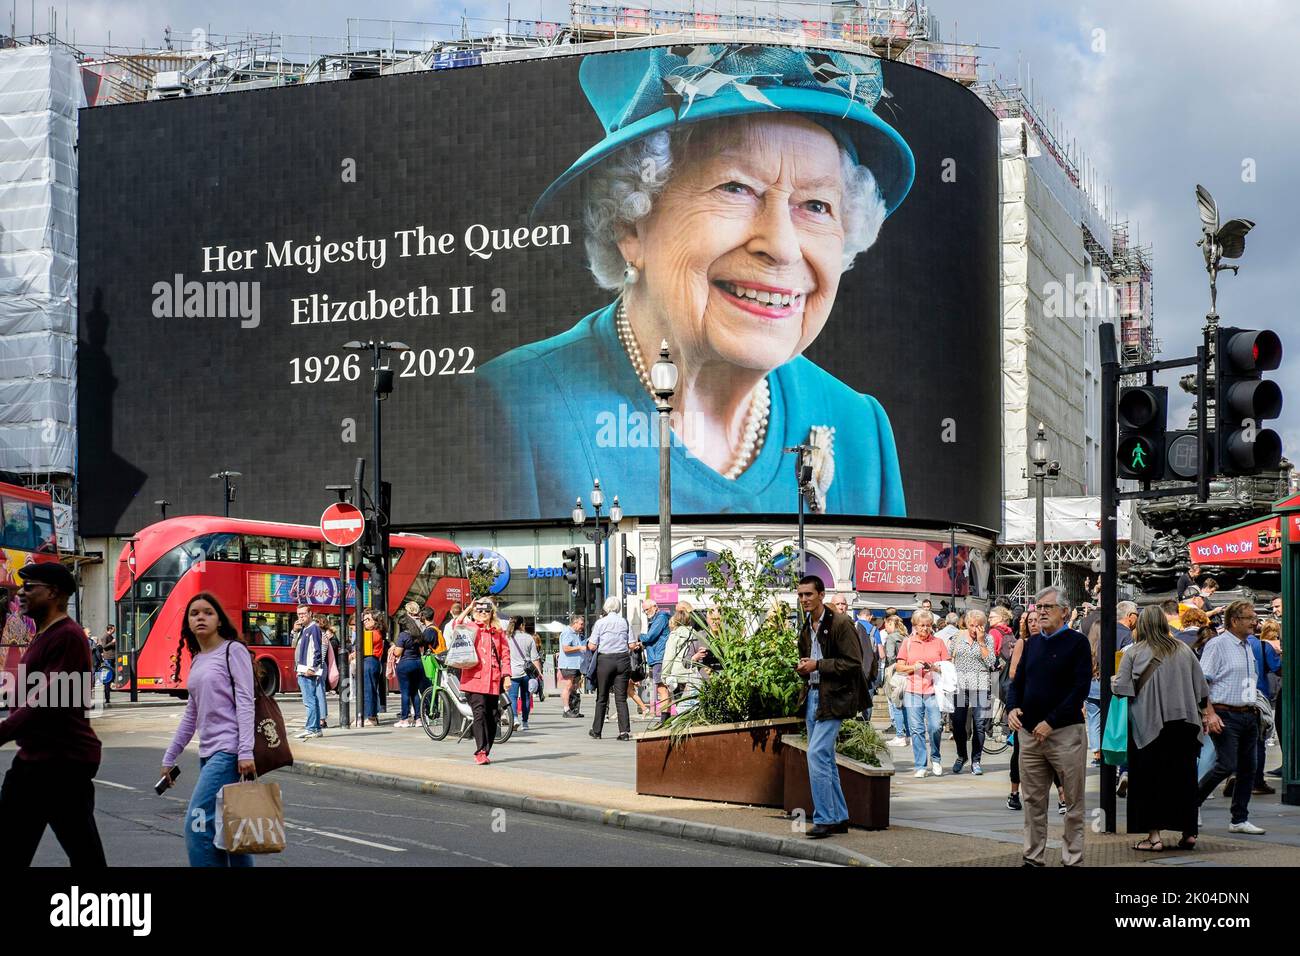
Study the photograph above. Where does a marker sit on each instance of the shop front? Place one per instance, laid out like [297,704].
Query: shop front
[876,567]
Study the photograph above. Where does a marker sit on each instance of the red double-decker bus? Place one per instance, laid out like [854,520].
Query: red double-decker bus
[26,536]
[260,571]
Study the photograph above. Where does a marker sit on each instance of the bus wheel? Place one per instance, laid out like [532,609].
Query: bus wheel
[180,694]
[268,678]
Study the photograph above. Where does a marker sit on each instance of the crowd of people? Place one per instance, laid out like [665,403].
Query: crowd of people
[1200,683]
[1202,680]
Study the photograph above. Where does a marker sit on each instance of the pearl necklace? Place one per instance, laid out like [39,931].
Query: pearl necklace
[760,399]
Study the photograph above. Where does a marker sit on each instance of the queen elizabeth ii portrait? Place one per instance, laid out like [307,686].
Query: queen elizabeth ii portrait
[733,187]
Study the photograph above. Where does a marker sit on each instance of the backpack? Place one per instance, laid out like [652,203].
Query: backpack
[870,663]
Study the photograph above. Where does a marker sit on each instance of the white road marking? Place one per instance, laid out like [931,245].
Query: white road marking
[340,836]
[110,783]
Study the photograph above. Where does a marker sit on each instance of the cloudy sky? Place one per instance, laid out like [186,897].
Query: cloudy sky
[1163,94]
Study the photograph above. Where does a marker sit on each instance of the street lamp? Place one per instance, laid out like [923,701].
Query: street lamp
[162,503]
[663,381]
[803,473]
[1044,471]
[225,476]
[383,387]
[600,534]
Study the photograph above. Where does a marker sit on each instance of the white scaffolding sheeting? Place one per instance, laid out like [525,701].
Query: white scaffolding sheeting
[1064,519]
[40,93]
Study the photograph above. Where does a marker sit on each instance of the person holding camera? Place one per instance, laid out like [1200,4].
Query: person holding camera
[919,657]
[485,682]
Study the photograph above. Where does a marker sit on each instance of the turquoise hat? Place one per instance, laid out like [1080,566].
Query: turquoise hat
[638,92]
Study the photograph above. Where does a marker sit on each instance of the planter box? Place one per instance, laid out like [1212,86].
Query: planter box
[866,788]
[728,763]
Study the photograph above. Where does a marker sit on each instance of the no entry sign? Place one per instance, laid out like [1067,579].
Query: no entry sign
[342,524]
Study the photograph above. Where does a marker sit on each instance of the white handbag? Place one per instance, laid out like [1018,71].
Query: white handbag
[462,654]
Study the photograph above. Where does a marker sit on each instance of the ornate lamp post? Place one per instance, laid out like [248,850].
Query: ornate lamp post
[663,380]
[1044,471]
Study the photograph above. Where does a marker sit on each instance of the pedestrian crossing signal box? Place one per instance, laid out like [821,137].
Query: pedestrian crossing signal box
[1143,421]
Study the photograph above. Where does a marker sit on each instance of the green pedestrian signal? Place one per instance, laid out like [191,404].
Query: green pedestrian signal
[1141,446]
[1137,458]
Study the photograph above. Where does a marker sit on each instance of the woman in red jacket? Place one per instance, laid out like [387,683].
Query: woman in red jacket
[485,681]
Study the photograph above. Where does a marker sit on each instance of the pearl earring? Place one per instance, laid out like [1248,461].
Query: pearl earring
[631,275]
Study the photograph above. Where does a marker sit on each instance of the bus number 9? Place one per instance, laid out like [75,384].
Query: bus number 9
[444,361]
[328,368]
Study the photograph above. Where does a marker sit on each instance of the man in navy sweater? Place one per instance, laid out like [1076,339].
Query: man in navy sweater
[1045,707]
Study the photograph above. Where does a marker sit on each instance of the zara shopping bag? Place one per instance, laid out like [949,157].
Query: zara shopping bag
[250,818]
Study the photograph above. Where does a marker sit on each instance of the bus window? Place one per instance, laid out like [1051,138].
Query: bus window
[18,526]
[268,628]
[427,578]
[46,541]
[306,554]
[263,549]
[394,555]
[221,546]
[456,566]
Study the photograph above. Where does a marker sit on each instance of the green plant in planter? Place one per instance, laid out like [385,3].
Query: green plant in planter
[757,646]
[859,741]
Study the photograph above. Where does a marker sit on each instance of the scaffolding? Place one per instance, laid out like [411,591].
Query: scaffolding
[1066,563]
[1131,276]
[900,30]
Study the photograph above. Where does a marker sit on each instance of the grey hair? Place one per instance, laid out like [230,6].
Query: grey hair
[975,616]
[1051,589]
[923,613]
[622,190]
[612,605]
[1124,608]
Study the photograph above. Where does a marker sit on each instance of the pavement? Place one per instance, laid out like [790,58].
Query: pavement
[556,769]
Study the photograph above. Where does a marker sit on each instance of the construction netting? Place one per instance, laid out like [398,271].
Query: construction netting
[40,93]
[1075,518]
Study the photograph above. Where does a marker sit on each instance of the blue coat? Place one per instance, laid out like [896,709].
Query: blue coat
[570,409]
[656,638]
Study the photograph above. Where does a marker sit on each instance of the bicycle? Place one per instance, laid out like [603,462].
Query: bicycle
[442,705]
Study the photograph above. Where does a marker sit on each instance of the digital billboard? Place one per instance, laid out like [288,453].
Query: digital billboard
[813,235]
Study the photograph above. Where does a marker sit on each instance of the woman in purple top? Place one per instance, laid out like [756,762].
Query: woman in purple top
[221,710]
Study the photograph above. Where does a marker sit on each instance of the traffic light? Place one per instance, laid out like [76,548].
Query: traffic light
[1140,453]
[1243,397]
[572,568]
[377,522]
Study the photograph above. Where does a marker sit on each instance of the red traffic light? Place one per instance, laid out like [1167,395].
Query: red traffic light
[1253,350]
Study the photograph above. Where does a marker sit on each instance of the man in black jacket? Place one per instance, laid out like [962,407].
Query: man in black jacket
[1045,708]
[835,689]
